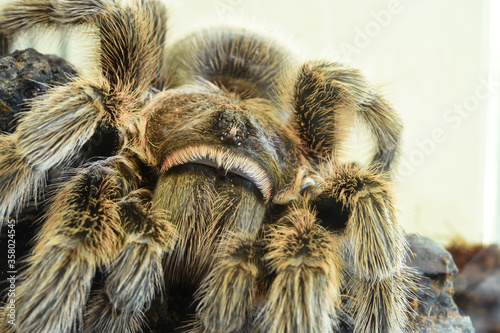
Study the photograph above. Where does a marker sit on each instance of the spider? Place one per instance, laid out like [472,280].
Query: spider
[222,171]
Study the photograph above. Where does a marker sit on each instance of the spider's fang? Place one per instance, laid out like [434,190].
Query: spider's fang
[223,159]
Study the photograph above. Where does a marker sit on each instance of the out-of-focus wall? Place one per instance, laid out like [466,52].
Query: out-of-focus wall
[431,57]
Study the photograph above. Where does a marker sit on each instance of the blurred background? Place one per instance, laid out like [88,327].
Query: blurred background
[438,62]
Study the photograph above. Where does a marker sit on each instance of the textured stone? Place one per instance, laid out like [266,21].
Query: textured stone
[23,75]
[436,309]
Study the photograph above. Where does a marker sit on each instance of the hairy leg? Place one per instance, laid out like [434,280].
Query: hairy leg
[97,220]
[82,232]
[329,98]
[137,273]
[132,35]
[306,273]
[51,134]
[228,295]
[380,280]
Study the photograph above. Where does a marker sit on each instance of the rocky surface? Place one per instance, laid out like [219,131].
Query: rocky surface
[25,74]
[436,309]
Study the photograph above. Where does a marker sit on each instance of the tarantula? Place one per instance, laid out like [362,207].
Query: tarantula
[223,168]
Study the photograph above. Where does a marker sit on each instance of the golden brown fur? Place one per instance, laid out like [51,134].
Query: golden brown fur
[305,258]
[214,190]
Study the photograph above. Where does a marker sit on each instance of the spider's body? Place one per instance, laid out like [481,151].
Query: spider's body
[213,186]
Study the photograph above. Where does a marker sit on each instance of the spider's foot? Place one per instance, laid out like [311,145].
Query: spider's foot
[137,274]
[380,280]
[375,236]
[304,294]
[382,306]
[41,299]
[228,294]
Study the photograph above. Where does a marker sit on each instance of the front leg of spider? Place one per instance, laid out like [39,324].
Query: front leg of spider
[327,97]
[304,260]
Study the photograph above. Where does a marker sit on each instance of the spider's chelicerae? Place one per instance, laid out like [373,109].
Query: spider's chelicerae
[223,170]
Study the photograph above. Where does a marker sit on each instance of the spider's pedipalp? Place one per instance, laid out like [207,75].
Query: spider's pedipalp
[303,257]
[228,294]
[137,273]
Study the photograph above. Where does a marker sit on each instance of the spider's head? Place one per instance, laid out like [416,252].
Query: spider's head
[231,142]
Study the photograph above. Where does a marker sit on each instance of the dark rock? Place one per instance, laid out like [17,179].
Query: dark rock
[23,75]
[435,307]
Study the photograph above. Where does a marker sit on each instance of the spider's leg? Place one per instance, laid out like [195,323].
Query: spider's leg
[137,272]
[376,242]
[329,98]
[132,44]
[51,134]
[228,295]
[132,36]
[26,15]
[236,60]
[83,231]
[62,121]
[306,270]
